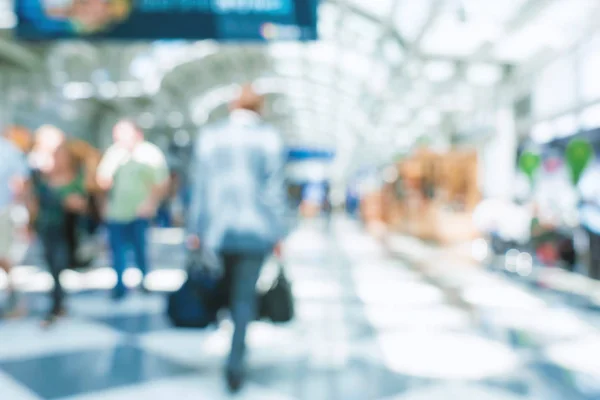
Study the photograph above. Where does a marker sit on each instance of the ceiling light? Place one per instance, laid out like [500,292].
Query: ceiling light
[430,117]
[439,71]
[484,74]
[78,90]
[108,90]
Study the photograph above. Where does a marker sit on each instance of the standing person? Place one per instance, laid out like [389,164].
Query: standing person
[59,190]
[238,208]
[589,189]
[135,174]
[14,174]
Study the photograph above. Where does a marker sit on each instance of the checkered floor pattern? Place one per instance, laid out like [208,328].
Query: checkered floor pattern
[369,326]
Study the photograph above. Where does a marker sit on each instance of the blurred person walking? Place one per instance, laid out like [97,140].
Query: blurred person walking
[14,175]
[589,214]
[135,175]
[58,191]
[238,208]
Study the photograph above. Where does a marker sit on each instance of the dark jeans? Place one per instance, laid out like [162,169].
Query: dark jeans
[242,271]
[121,236]
[57,251]
[163,216]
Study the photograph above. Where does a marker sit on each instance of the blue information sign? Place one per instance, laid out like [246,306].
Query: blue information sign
[240,20]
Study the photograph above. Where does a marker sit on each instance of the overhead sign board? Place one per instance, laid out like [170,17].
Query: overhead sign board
[227,20]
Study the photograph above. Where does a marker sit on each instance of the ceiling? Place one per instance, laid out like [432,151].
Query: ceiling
[384,73]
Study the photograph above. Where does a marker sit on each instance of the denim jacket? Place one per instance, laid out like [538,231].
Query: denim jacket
[239,200]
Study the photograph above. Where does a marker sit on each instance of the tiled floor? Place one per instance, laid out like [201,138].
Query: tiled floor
[368,327]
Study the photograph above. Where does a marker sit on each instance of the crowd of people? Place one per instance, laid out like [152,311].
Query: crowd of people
[237,203]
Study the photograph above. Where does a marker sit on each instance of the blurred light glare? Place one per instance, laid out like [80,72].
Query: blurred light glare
[480,249]
[78,90]
[175,119]
[390,174]
[484,74]
[524,264]
[510,260]
[146,120]
[439,71]
[108,90]
[181,138]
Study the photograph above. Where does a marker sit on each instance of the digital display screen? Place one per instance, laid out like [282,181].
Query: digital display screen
[227,20]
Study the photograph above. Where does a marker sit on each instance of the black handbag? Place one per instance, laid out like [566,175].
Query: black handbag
[196,303]
[277,303]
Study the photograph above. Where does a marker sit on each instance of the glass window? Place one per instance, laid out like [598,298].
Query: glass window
[590,117]
[590,70]
[555,88]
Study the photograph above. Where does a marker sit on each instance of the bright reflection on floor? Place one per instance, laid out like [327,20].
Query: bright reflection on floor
[431,318]
[582,355]
[399,293]
[168,236]
[544,323]
[446,356]
[502,297]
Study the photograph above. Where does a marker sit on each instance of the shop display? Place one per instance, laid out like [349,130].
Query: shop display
[434,196]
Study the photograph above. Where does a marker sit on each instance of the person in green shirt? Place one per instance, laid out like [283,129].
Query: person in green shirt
[135,175]
[58,188]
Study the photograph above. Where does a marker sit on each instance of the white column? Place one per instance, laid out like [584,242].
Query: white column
[498,158]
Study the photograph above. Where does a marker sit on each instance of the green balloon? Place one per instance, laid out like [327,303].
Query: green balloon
[579,153]
[529,163]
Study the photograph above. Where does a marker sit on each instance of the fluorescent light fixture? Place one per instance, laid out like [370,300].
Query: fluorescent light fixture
[78,90]
[542,132]
[484,74]
[439,71]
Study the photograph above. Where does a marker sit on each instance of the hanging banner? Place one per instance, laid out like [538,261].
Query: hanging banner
[578,154]
[529,163]
[240,20]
